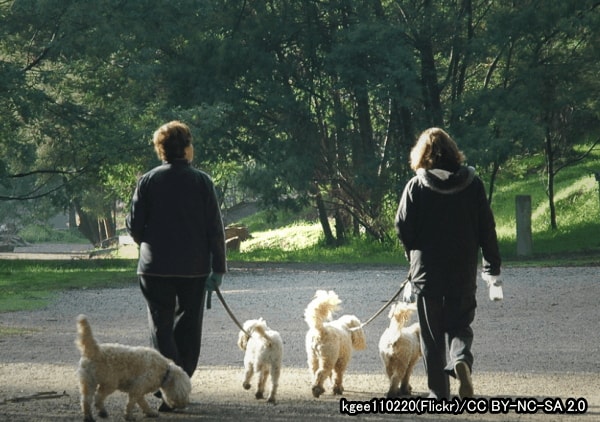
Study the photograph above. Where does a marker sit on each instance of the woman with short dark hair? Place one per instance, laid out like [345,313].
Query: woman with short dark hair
[176,221]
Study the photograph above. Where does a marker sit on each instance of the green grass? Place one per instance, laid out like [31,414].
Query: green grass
[26,284]
[577,204]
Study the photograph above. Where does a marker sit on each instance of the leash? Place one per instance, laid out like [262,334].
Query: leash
[235,320]
[388,303]
[231,315]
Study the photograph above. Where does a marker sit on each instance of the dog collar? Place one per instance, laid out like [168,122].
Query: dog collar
[166,376]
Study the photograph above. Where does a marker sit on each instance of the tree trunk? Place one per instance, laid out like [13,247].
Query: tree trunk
[550,187]
[324,220]
[495,168]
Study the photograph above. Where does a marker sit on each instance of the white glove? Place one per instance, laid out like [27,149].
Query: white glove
[494,286]
[408,295]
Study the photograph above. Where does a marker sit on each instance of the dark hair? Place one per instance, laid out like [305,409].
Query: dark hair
[171,139]
[436,149]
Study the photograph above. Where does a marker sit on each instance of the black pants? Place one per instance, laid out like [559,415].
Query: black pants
[175,313]
[445,329]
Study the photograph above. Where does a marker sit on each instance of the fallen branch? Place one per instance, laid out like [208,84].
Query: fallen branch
[42,395]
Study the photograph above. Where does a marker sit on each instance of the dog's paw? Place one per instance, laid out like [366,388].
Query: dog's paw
[406,390]
[317,390]
[271,400]
[246,385]
[259,395]
[338,389]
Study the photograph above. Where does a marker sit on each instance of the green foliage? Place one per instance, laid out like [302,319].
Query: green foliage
[43,233]
[292,98]
[296,237]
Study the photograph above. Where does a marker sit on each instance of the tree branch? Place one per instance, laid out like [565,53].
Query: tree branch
[577,159]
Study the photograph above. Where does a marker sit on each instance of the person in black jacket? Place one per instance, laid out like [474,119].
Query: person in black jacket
[176,221]
[443,220]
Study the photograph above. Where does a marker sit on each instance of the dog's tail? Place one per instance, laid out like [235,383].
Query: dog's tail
[401,312]
[85,340]
[321,308]
[261,329]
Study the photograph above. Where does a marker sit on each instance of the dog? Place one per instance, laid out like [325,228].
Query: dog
[329,344]
[104,368]
[400,349]
[263,355]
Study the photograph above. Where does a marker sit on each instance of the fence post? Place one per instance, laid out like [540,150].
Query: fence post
[523,216]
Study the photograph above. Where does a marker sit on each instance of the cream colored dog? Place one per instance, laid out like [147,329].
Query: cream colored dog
[400,349]
[329,344]
[264,353]
[104,368]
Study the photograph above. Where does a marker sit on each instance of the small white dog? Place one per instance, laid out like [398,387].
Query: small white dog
[400,348]
[104,368]
[264,353]
[329,344]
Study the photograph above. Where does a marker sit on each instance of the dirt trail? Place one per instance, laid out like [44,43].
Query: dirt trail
[541,342]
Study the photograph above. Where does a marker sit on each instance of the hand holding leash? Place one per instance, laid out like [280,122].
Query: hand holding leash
[212,283]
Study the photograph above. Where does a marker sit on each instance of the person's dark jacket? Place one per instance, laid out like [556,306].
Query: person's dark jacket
[443,220]
[176,221]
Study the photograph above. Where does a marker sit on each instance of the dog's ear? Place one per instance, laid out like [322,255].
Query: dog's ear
[359,341]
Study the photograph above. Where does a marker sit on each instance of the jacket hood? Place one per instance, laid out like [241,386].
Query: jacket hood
[444,181]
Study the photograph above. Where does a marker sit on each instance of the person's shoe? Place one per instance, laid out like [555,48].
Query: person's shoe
[463,373]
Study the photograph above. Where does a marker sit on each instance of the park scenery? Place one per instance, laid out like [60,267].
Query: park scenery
[303,114]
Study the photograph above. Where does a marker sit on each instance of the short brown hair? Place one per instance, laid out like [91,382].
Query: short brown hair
[171,139]
[436,149]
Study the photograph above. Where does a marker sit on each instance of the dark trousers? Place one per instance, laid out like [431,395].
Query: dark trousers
[445,330]
[175,313]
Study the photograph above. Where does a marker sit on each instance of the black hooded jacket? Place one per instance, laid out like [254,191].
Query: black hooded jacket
[443,220]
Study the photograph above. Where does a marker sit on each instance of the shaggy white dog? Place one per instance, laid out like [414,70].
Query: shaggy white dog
[400,349]
[264,353]
[329,344]
[104,368]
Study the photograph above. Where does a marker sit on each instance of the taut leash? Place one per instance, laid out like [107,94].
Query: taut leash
[388,303]
[231,315]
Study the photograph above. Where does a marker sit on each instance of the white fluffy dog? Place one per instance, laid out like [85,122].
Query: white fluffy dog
[264,353]
[329,344]
[400,349]
[104,368]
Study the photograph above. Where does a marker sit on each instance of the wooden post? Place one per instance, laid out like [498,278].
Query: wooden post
[523,214]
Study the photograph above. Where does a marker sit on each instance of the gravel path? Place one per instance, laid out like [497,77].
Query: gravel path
[541,342]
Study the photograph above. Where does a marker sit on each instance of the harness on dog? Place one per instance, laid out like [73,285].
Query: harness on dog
[388,303]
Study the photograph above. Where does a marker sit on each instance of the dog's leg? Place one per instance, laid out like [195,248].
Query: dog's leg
[132,400]
[102,393]
[405,387]
[340,368]
[263,374]
[148,411]
[394,381]
[87,398]
[321,375]
[275,372]
[248,376]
